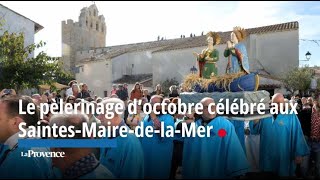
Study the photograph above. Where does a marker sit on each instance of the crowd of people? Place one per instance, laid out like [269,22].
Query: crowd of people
[288,143]
[309,116]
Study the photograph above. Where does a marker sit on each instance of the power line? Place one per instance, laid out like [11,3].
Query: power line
[312,40]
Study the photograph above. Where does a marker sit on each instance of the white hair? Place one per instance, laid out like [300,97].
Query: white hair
[206,99]
[74,119]
[35,95]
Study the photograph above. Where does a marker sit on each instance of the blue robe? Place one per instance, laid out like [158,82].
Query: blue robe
[126,160]
[214,156]
[280,142]
[17,167]
[236,67]
[239,128]
[157,150]
[100,172]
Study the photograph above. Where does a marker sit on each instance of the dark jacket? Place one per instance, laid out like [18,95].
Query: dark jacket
[148,97]
[83,95]
[154,93]
[122,94]
[174,95]
[304,116]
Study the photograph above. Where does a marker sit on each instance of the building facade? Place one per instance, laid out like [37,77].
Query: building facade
[14,22]
[88,33]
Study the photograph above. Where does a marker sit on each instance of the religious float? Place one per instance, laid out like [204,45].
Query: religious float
[237,82]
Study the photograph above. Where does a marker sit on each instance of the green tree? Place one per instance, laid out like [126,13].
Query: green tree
[298,79]
[165,85]
[18,70]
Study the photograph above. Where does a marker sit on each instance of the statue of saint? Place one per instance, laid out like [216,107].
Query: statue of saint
[208,57]
[237,52]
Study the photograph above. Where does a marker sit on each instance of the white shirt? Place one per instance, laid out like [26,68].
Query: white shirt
[69,92]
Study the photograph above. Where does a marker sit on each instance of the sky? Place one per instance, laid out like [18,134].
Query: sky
[133,22]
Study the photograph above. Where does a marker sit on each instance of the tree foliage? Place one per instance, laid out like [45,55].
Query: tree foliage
[298,79]
[18,70]
[165,85]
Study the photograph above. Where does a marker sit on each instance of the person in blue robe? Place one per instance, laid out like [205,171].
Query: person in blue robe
[100,172]
[12,164]
[239,128]
[126,160]
[88,167]
[157,150]
[218,156]
[282,143]
[78,162]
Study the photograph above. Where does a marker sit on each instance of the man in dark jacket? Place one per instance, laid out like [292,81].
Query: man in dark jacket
[121,93]
[84,92]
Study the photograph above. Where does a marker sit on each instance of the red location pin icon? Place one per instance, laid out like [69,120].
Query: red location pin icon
[222,133]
